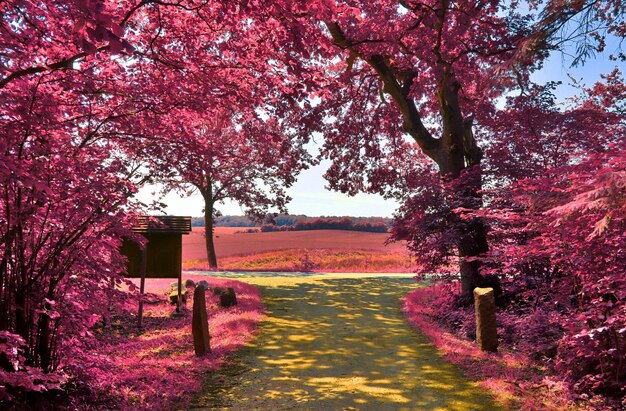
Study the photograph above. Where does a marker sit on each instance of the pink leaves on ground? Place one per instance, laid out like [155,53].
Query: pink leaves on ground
[157,369]
[511,377]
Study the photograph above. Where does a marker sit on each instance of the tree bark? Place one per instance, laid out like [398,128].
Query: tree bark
[21,314]
[458,153]
[208,231]
[472,243]
[472,233]
[43,343]
[43,347]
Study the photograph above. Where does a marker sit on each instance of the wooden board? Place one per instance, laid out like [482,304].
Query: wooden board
[164,255]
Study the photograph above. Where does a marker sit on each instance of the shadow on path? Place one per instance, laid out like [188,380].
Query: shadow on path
[332,343]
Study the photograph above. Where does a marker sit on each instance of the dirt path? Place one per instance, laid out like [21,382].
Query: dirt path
[338,342]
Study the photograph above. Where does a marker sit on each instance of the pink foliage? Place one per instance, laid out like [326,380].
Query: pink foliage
[157,368]
[102,97]
[75,124]
[557,240]
[556,215]
[512,377]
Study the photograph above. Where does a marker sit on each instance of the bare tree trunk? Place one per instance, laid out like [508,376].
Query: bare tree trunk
[208,231]
[21,314]
[43,346]
[43,343]
[471,234]
[459,153]
[471,244]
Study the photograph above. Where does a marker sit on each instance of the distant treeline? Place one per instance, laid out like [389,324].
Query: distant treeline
[285,222]
[343,223]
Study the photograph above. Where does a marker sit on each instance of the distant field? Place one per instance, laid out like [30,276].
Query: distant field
[318,260]
[228,244]
[327,250]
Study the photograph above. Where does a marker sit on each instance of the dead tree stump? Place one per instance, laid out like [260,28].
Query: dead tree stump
[200,323]
[486,327]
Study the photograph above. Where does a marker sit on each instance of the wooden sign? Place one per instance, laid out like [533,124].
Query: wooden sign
[162,256]
[164,250]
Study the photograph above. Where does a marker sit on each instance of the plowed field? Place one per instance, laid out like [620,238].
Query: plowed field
[228,243]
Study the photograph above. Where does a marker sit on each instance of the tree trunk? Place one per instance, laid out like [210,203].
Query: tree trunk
[208,231]
[43,348]
[459,152]
[21,314]
[43,343]
[472,243]
[472,233]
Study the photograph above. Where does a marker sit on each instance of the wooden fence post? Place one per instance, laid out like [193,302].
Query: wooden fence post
[486,327]
[199,323]
[142,284]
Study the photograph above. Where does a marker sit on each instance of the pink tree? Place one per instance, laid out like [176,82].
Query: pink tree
[233,111]
[65,185]
[559,226]
[71,124]
[429,70]
[78,113]
[40,40]
[433,70]
[233,156]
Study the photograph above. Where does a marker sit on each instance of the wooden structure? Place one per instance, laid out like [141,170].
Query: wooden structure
[162,257]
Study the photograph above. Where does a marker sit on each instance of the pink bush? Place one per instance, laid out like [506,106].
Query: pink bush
[556,211]
[115,366]
[511,376]
[535,349]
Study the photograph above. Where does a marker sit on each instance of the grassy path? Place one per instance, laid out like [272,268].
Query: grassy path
[338,342]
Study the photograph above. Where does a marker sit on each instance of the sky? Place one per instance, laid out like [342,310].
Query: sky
[309,195]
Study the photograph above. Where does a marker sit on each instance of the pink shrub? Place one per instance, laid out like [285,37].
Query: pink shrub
[556,212]
[537,355]
[118,367]
[512,376]
[158,369]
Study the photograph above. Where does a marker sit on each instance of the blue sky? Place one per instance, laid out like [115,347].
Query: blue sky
[309,194]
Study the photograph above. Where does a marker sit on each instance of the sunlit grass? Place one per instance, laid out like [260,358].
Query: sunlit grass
[339,341]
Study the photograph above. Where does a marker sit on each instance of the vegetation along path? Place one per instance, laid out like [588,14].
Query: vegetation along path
[338,342]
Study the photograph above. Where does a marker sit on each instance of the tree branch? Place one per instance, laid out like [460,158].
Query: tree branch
[66,63]
[413,124]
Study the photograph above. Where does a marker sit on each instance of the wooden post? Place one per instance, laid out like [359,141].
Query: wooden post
[179,263]
[486,327]
[200,323]
[142,283]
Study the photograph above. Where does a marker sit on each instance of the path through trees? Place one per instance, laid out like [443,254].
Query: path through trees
[339,341]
